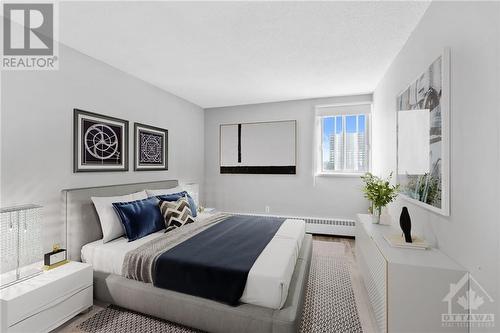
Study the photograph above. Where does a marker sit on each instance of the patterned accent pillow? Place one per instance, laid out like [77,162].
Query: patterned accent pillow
[176,213]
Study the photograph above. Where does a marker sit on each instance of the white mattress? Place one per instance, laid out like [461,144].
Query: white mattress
[268,279]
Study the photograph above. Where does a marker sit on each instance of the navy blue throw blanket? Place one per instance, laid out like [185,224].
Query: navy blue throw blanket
[215,263]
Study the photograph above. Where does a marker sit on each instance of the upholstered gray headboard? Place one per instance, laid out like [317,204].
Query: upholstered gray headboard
[82,222]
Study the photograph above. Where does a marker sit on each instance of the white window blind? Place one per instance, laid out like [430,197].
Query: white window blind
[346,109]
[342,139]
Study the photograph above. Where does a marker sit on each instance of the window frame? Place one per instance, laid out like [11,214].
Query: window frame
[319,130]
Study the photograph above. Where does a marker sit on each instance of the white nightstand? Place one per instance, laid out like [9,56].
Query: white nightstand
[46,301]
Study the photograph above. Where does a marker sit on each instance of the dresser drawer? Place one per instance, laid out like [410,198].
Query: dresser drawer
[29,297]
[55,314]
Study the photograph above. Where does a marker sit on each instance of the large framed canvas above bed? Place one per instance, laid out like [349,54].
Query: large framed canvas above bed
[83,227]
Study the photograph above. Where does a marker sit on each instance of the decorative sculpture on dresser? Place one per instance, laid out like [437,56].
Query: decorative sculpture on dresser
[405,223]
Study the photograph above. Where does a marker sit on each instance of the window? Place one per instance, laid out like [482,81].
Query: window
[344,141]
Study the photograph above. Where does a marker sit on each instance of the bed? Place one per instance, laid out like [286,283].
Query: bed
[271,302]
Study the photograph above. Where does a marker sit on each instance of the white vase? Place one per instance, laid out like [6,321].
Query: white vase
[376,212]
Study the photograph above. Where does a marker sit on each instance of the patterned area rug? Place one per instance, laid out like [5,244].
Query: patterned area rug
[329,306]
[114,319]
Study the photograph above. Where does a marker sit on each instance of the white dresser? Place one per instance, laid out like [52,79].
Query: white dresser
[46,301]
[405,287]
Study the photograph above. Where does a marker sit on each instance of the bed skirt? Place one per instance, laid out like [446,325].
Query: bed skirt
[205,314]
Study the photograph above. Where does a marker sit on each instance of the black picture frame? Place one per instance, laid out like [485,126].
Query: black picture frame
[156,156]
[100,142]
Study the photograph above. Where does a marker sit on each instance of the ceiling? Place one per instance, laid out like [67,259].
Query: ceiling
[232,53]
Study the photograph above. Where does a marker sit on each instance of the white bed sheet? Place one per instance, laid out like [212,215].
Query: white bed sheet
[268,279]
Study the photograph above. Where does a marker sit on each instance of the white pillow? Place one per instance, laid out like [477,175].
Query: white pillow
[154,193]
[111,226]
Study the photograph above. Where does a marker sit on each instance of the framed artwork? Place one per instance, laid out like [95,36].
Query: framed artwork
[423,140]
[100,142]
[258,148]
[150,148]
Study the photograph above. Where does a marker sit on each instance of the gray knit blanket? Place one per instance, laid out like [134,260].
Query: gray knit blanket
[140,262]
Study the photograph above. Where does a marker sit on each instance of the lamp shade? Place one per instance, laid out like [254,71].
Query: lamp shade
[194,191]
[20,243]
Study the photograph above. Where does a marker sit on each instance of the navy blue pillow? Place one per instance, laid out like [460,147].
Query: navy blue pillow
[177,196]
[140,218]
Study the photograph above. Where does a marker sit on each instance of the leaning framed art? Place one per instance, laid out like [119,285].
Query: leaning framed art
[100,142]
[150,148]
[423,140]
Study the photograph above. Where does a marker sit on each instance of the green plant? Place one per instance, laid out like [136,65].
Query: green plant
[379,191]
[425,188]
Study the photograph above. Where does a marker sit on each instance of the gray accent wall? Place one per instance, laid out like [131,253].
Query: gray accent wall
[37,131]
[299,194]
[470,235]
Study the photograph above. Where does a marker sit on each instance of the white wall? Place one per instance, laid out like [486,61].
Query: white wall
[284,194]
[37,131]
[470,234]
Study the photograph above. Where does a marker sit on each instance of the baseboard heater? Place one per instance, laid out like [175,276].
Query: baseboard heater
[324,226]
